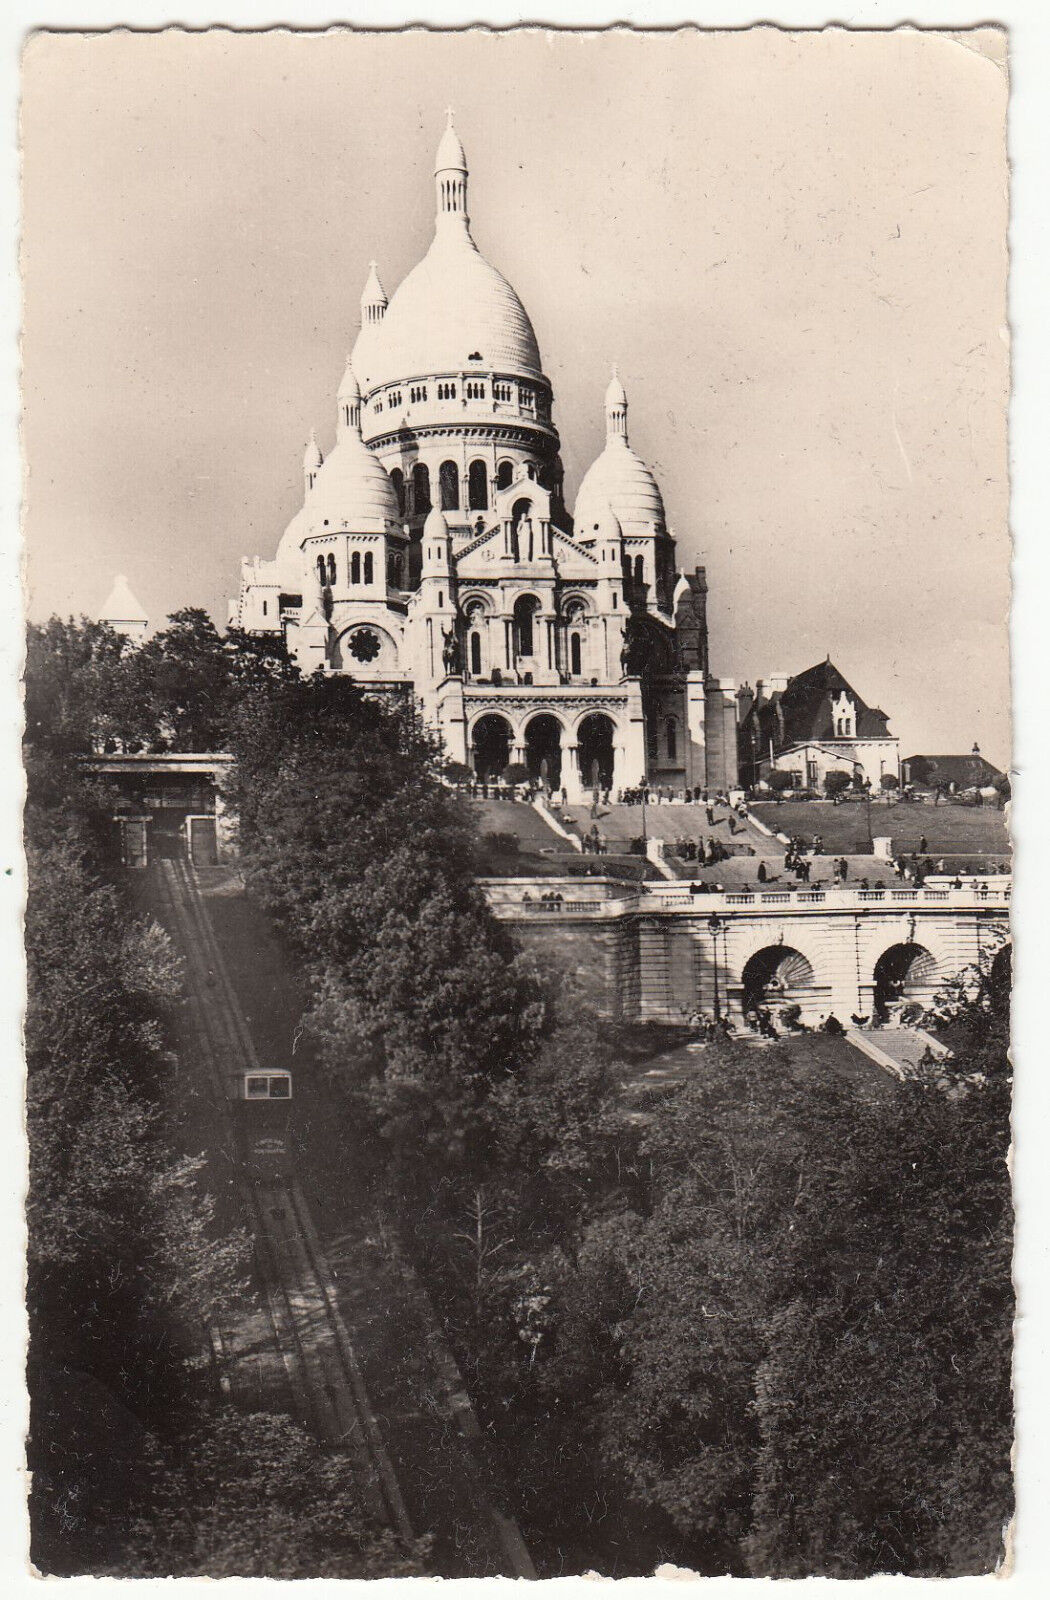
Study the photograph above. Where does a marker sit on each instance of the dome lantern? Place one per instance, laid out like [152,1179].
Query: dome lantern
[349,398]
[312,463]
[450,178]
[616,409]
[373,299]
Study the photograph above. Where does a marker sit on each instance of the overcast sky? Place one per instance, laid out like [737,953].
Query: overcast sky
[793,246]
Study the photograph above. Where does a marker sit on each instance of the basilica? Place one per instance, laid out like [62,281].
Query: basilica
[435,555]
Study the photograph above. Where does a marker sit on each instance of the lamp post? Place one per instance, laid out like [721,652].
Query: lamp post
[714,923]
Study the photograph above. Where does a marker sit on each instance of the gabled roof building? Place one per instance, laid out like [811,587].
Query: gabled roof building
[435,554]
[813,724]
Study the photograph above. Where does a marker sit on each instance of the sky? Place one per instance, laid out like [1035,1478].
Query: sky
[792,245]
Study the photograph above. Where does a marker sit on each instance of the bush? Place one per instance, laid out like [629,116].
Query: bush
[890,782]
[779,782]
[504,844]
[836,783]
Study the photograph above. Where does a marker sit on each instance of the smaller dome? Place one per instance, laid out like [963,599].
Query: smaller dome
[313,457]
[615,394]
[349,388]
[601,523]
[436,525]
[450,153]
[621,483]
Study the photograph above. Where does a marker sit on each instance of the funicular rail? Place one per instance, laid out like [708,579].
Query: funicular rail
[322,1371]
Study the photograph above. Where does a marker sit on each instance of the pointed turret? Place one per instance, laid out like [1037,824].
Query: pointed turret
[313,461]
[349,401]
[373,298]
[437,545]
[450,178]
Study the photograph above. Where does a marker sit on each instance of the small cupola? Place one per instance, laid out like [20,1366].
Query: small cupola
[616,409]
[349,401]
[313,461]
[373,298]
[450,177]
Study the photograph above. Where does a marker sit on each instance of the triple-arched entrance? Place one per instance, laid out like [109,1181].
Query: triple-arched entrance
[553,750]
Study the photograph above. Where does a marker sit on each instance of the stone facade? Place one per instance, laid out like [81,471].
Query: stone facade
[434,552]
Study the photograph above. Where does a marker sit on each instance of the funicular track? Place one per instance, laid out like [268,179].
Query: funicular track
[322,1372]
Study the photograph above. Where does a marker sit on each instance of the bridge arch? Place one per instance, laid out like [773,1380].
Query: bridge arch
[749,953]
[778,974]
[904,972]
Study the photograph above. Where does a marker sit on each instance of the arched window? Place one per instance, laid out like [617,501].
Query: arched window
[320,570]
[639,571]
[525,610]
[504,475]
[671,733]
[575,655]
[475,653]
[448,477]
[393,572]
[478,486]
[331,571]
[397,478]
[355,567]
[369,567]
[420,489]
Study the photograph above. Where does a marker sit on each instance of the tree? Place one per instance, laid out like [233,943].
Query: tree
[836,783]
[80,687]
[253,1497]
[516,773]
[780,782]
[889,782]
[124,1256]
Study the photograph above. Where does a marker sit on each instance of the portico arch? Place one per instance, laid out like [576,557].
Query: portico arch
[543,748]
[596,741]
[490,746]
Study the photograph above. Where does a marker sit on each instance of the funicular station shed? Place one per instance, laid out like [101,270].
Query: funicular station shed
[166,805]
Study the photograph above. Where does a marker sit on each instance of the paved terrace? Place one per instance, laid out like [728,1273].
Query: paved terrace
[513,898]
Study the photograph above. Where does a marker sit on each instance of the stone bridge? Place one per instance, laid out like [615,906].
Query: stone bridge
[660,952]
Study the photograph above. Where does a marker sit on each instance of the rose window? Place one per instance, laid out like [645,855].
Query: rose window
[364,645]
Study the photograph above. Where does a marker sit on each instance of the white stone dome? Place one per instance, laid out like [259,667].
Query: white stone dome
[451,307]
[352,489]
[351,493]
[620,482]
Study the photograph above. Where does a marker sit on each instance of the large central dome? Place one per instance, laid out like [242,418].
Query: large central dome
[454,312]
